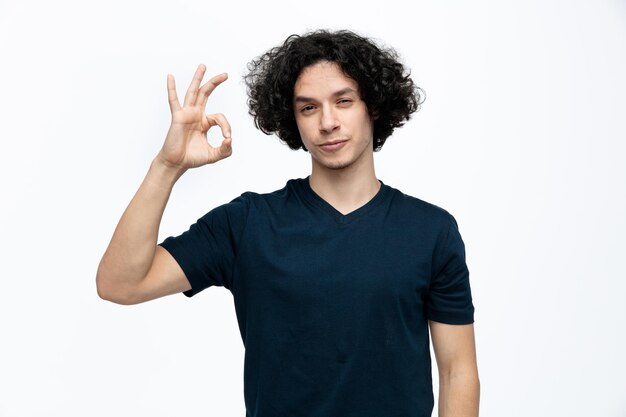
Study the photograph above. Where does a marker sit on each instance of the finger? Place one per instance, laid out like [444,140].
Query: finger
[226,148]
[172,97]
[219,119]
[224,151]
[206,90]
[192,91]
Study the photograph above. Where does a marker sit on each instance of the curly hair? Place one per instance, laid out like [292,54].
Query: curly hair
[384,84]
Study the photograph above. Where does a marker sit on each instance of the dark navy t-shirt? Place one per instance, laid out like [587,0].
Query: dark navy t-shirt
[333,309]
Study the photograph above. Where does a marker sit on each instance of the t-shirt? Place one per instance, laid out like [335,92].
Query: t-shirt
[332,308]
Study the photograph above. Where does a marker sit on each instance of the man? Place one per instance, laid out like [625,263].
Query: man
[337,277]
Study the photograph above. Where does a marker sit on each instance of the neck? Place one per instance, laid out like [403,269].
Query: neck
[347,188]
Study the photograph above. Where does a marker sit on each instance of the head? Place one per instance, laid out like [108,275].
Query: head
[383,84]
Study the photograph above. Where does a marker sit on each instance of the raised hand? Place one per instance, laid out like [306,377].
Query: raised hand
[186,145]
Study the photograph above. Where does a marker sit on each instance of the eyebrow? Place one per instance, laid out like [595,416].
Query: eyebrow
[341,92]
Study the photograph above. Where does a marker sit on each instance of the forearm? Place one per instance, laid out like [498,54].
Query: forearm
[131,249]
[459,394]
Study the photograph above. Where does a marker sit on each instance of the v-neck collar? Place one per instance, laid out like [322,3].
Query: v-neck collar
[339,217]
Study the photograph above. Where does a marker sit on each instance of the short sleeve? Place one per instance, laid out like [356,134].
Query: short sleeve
[450,298]
[206,252]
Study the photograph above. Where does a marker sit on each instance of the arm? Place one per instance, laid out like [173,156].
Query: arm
[133,268]
[459,386]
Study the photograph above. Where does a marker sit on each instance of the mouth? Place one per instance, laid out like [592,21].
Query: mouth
[332,145]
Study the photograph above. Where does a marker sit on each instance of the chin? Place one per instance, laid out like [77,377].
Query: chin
[336,165]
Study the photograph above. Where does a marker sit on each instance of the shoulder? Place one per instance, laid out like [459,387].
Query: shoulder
[257,199]
[413,206]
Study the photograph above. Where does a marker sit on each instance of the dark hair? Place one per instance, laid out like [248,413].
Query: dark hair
[385,86]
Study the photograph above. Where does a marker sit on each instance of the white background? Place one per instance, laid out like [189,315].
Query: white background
[521,138]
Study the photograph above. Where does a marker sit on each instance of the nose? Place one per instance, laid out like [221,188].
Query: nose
[328,120]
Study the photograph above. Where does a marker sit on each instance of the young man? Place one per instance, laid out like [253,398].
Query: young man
[337,277]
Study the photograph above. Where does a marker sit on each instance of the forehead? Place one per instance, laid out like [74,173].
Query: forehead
[322,78]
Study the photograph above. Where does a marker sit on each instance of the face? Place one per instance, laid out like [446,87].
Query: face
[333,121]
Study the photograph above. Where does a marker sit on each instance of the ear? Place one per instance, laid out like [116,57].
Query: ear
[375,115]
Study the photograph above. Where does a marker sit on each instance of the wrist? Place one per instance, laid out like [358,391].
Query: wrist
[164,174]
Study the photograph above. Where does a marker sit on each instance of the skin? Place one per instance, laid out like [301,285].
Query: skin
[133,268]
[455,352]
[327,107]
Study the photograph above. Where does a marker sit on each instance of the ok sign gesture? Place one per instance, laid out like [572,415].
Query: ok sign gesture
[186,145]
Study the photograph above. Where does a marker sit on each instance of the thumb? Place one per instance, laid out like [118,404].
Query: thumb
[226,148]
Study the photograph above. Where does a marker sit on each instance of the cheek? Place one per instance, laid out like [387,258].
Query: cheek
[366,127]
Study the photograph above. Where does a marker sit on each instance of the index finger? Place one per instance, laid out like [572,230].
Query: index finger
[206,90]
[220,120]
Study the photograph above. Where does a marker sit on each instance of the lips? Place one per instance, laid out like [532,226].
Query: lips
[332,142]
[333,145]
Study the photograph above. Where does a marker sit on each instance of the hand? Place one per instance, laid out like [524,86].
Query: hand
[186,145]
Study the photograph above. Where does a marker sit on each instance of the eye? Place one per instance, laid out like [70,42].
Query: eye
[307,108]
[344,101]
